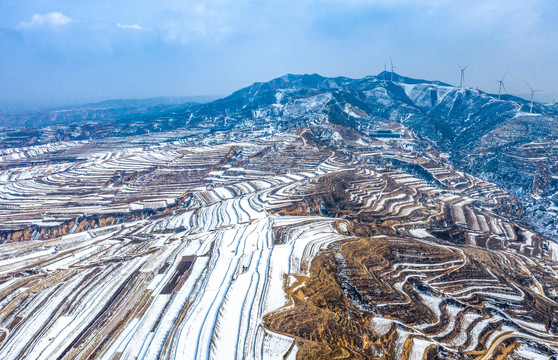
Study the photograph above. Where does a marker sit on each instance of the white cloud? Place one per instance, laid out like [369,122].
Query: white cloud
[128,26]
[52,19]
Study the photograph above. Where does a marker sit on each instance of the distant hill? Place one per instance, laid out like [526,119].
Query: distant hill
[104,111]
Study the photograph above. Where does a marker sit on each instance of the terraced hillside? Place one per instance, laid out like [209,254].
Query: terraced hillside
[500,139]
[309,243]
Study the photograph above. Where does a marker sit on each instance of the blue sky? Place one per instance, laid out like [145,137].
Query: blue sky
[65,52]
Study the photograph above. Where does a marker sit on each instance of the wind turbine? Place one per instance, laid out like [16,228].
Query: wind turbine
[501,86]
[385,71]
[532,94]
[392,67]
[462,78]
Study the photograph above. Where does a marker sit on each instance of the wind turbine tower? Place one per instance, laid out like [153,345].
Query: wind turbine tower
[532,95]
[501,86]
[385,71]
[462,78]
[392,67]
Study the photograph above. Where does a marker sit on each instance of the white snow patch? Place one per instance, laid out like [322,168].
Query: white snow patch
[420,233]
[380,325]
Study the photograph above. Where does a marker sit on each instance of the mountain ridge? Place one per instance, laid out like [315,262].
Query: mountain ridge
[495,139]
[305,217]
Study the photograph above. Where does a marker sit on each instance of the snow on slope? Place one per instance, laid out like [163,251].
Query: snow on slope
[203,279]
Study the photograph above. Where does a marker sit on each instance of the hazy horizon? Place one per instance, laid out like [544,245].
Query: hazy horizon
[67,53]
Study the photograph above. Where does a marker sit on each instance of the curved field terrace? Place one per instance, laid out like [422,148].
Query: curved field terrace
[276,247]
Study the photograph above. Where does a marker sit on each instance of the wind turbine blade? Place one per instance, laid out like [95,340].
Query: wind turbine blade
[503,87]
[528,85]
[506,73]
[391,62]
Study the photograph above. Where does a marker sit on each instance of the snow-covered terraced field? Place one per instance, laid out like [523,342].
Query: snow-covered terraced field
[191,283]
[269,248]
